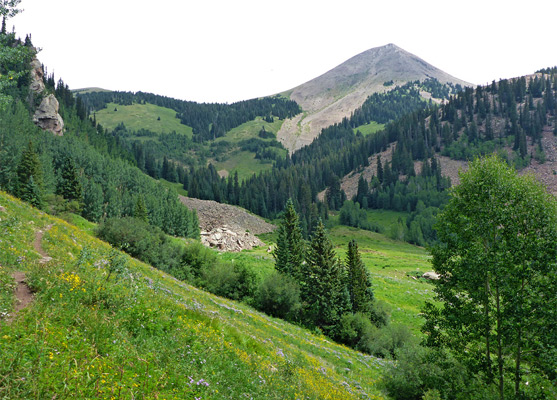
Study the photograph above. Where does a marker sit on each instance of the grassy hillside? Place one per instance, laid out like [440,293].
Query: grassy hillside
[242,161]
[142,116]
[103,325]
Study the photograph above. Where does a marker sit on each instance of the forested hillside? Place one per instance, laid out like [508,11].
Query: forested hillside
[86,170]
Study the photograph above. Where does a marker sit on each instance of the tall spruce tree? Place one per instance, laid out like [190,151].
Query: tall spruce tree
[69,185]
[30,177]
[359,282]
[324,292]
[289,253]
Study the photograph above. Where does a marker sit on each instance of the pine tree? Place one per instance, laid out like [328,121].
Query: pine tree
[69,186]
[289,253]
[324,291]
[29,169]
[140,209]
[359,282]
[92,201]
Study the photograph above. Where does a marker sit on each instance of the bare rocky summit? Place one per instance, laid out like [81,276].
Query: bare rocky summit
[226,227]
[334,95]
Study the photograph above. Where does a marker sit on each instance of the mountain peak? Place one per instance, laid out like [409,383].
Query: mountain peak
[337,93]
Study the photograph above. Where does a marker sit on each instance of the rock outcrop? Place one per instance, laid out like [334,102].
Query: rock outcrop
[37,76]
[47,117]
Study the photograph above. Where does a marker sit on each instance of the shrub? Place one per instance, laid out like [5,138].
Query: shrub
[386,341]
[279,296]
[232,280]
[421,373]
[353,328]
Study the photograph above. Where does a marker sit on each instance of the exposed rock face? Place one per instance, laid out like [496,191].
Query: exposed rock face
[226,227]
[47,117]
[37,75]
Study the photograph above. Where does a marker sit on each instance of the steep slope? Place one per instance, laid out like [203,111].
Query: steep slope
[103,325]
[514,117]
[334,95]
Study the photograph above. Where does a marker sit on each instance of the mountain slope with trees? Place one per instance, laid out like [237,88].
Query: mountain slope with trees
[329,98]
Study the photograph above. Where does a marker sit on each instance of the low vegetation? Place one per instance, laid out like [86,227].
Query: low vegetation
[104,325]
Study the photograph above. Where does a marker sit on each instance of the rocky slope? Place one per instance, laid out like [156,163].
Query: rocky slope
[337,93]
[226,227]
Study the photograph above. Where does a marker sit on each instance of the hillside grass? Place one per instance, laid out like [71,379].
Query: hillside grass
[370,128]
[105,326]
[142,116]
[242,162]
[250,130]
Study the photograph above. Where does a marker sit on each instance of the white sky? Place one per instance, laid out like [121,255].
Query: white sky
[229,50]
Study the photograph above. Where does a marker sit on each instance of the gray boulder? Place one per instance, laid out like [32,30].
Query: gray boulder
[47,117]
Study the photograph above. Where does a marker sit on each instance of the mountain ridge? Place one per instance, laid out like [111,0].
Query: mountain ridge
[334,95]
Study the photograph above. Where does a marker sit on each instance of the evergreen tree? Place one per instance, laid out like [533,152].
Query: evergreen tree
[29,169]
[359,282]
[92,201]
[289,253]
[69,186]
[324,292]
[140,209]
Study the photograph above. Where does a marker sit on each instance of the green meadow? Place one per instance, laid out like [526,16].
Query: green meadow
[105,326]
[142,116]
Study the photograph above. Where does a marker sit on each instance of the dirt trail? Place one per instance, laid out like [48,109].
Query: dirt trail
[23,293]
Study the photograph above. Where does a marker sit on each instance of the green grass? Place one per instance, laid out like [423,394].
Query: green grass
[142,116]
[243,162]
[370,128]
[250,130]
[103,325]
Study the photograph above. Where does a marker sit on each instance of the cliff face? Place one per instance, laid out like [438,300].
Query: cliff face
[46,116]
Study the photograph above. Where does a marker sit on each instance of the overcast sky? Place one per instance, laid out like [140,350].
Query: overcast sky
[229,50]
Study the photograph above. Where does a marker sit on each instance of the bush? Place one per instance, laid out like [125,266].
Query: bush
[385,342]
[143,241]
[234,281]
[353,328]
[196,257]
[279,296]
[422,372]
